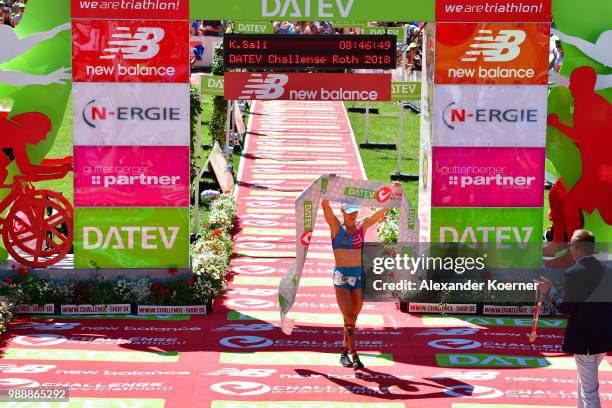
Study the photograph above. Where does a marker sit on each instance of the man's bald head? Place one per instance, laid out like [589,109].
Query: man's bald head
[582,243]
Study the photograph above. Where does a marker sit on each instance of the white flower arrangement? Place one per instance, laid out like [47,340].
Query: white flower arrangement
[388,229]
[211,253]
[140,290]
[210,264]
[64,290]
[123,291]
[223,212]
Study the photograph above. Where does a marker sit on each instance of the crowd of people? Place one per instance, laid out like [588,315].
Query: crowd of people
[208,28]
[12,11]
[310,28]
[555,58]
[219,27]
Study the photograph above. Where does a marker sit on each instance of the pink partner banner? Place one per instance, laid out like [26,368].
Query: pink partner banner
[131,176]
[488,177]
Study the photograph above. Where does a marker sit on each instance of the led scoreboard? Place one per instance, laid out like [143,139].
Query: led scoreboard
[271,51]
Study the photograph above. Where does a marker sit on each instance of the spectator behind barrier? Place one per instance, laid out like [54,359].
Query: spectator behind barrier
[7,19]
[210,28]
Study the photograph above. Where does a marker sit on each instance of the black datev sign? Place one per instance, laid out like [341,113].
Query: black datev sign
[275,51]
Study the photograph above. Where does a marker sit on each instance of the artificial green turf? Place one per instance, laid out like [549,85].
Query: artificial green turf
[384,127]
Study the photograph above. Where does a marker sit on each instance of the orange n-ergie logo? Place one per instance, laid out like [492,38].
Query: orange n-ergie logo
[505,54]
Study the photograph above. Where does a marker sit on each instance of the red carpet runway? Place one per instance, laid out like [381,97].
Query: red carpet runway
[238,358]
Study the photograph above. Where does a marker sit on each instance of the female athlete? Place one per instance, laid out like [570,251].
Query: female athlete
[347,241]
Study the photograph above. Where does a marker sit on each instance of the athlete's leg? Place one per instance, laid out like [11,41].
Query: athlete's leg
[357,304]
[343,296]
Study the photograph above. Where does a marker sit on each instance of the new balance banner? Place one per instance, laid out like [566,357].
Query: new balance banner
[126,176]
[307,87]
[107,114]
[131,237]
[468,115]
[460,11]
[130,51]
[363,193]
[131,9]
[502,54]
[488,177]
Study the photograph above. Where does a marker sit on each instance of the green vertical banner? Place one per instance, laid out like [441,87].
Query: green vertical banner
[35,61]
[149,159]
[579,125]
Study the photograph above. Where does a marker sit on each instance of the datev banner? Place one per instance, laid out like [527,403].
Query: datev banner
[313,10]
[468,115]
[253,27]
[514,237]
[107,114]
[126,176]
[212,84]
[307,87]
[130,51]
[501,54]
[363,193]
[131,237]
[406,91]
[132,9]
[488,177]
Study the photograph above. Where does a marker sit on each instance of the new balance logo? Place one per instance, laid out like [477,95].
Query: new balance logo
[264,86]
[501,48]
[143,44]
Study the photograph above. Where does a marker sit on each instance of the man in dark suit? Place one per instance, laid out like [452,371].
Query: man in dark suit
[587,303]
